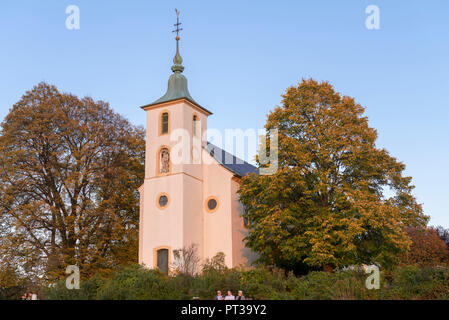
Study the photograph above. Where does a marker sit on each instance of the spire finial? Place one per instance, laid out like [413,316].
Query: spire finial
[177,67]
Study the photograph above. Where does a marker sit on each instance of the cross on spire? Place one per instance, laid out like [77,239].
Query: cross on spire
[177,30]
[177,67]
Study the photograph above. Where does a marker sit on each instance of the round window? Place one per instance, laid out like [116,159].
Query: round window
[211,204]
[162,201]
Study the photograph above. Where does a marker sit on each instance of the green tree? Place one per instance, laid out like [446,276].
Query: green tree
[69,173]
[326,206]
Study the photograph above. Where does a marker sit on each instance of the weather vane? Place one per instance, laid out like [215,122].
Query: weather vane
[177,30]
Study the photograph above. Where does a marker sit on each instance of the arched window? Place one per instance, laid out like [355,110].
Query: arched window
[162,260]
[164,123]
[195,121]
[164,161]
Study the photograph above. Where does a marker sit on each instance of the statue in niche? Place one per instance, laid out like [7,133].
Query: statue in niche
[165,161]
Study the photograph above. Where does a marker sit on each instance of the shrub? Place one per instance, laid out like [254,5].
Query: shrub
[344,285]
[414,282]
[88,290]
[263,283]
[138,283]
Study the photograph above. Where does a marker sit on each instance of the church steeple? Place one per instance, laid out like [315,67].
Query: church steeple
[177,83]
[177,60]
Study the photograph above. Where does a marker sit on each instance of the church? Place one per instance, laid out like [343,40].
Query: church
[190,198]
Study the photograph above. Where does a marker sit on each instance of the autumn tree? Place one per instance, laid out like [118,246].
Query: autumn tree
[69,172]
[12,285]
[443,234]
[427,248]
[326,205]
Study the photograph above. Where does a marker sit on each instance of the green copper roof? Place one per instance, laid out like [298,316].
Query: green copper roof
[177,83]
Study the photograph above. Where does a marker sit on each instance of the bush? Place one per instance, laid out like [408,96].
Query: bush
[138,283]
[414,282]
[88,290]
[206,285]
[341,285]
[135,283]
[263,283]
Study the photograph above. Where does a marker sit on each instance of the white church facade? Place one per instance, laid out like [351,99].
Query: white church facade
[188,197]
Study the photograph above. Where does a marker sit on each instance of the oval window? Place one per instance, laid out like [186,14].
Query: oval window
[211,204]
[162,201]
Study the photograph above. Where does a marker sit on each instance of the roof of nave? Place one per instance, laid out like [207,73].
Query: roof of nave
[234,164]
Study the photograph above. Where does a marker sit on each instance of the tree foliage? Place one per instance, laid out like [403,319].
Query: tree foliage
[326,205]
[443,234]
[69,172]
[12,284]
[427,248]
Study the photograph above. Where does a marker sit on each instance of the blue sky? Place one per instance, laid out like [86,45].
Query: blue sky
[240,56]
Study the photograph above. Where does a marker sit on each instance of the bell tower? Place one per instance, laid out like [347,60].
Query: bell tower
[171,213]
